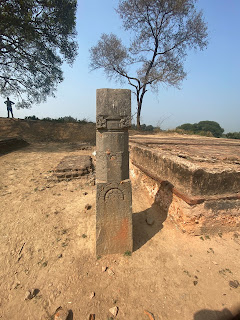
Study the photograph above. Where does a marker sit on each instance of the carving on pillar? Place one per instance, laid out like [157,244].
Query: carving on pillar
[101,122]
[125,122]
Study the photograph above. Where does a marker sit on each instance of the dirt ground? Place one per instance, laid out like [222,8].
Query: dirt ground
[47,241]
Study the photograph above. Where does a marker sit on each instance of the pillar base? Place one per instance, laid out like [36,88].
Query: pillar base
[114,218]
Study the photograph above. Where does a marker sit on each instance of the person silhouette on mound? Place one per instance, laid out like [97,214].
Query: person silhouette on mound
[9,104]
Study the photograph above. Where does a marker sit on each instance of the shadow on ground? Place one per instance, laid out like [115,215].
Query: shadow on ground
[206,314]
[11,145]
[143,228]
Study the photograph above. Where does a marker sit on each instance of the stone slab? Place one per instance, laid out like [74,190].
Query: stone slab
[114,218]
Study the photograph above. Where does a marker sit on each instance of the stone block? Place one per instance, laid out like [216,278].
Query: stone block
[113,109]
[114,102]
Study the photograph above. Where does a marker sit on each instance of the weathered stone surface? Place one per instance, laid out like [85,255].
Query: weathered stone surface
[114,217]
[72,167]
[113,201]
[189,178]
[113,104]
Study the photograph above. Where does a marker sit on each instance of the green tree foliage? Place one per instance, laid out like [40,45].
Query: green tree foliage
[203,127]
[143,127]
[31,118]
[233,135]
[65,119]
[161,33]
[36,37]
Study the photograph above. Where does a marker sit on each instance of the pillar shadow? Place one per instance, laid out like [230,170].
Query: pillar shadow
[206,314]
[157,213]
[70,315]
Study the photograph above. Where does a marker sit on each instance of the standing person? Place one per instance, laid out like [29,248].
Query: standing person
[9,104]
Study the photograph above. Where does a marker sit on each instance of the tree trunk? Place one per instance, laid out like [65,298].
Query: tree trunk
[139,103]
[138,115]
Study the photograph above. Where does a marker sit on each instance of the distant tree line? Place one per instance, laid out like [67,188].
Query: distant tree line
[61,119]
[143,127]
[233,135]
[210,128]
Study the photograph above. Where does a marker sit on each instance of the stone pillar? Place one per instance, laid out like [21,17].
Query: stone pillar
[114,192]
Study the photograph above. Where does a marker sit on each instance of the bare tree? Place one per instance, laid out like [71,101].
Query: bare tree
[162,32]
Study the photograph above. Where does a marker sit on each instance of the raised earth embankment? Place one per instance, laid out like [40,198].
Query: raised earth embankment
[44,131]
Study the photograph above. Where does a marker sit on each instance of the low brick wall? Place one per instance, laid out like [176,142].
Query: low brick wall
[44,131]
[197,199]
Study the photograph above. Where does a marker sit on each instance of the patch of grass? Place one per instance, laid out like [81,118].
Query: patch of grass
[202,238]
[207,237]
[99,257]
[220,234]
[84,235]
[127,253]
[45,263]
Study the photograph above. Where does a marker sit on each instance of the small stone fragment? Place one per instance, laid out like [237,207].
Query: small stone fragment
[92,295]
[30,294]
[110,272]
[195,282]
[61,314]
[214,262]
[114,311]
[104,269]
[150,221]
[85,193]
[149,314]
[234,284]
[92,317]
[88,206]
[59,256]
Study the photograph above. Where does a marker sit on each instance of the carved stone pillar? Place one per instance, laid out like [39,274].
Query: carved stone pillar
[114,193]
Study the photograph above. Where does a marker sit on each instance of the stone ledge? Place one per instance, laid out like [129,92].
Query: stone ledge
[208,217]
[193,181]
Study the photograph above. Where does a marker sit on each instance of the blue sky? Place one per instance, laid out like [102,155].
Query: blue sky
[210,92]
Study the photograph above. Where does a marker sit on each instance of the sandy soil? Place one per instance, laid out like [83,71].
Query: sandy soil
[47,243]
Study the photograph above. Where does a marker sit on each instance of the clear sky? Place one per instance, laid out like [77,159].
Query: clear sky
[210,92]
